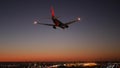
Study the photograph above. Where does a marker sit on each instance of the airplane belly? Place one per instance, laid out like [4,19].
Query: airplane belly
[56,23]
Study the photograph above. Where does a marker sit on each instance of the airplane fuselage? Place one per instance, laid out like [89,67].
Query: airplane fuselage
[58,23]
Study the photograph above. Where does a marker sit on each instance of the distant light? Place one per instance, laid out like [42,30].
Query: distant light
[55,66]
[89,64]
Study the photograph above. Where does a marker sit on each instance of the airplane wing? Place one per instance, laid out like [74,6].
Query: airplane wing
[35,22]
[78,19]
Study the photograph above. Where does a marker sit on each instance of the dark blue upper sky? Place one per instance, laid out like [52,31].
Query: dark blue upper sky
[96,34]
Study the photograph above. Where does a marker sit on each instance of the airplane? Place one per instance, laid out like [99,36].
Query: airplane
[57,23]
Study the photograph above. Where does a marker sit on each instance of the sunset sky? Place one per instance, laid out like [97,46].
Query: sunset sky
[95,37]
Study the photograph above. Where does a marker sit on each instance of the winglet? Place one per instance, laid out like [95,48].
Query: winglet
[52,11]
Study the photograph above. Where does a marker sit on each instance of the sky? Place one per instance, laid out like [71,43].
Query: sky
[95,37]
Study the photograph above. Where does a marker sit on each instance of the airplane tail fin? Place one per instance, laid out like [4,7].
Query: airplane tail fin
[52,11]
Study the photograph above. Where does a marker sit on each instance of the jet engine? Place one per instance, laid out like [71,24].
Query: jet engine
[66,26]
[54,27]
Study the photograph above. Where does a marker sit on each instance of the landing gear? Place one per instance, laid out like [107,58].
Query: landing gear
[54,27]
[66,26]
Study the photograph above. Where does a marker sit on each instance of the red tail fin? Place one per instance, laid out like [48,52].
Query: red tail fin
[52,11]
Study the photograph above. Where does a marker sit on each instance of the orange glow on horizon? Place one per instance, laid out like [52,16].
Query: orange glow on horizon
[47,58]
[55,56]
